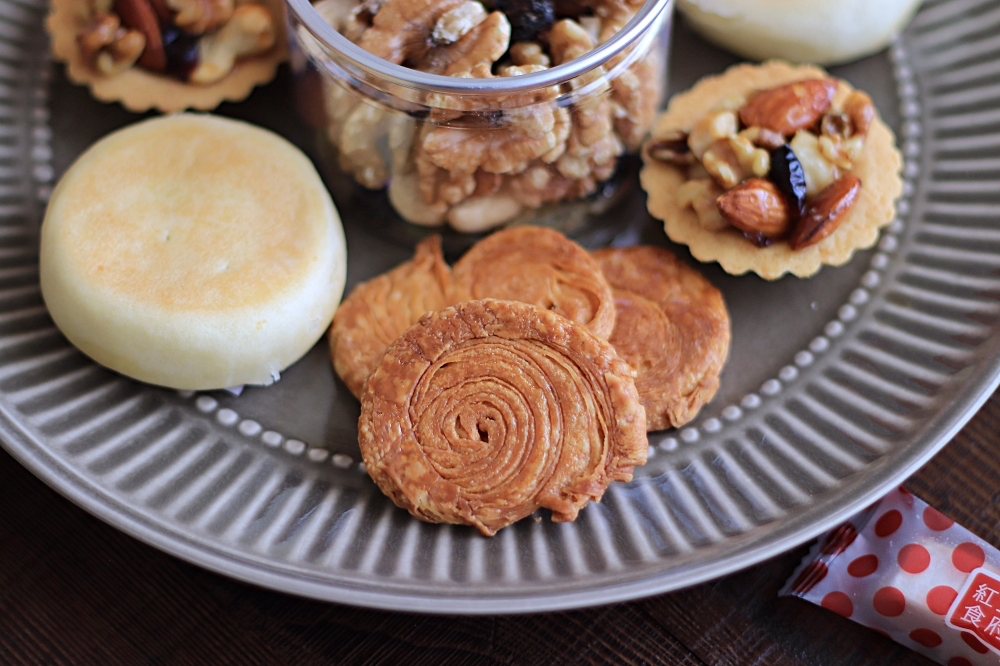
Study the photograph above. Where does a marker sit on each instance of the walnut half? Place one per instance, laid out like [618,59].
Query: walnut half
[199,16]
[250,31]
[112,48]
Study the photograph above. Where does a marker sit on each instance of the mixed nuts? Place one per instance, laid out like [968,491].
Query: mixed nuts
[776,166]
[478,161]
[197,41]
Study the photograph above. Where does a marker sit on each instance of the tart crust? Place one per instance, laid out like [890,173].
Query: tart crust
[140,90]
[878,168]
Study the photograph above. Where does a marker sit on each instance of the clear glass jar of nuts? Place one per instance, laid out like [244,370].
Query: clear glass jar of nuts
[478,114]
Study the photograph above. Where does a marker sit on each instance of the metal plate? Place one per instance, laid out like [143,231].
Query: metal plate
[838,387]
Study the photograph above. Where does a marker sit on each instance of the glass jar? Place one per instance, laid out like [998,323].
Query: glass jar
[472,128]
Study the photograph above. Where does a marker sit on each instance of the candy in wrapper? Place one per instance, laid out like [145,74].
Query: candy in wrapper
[906,570]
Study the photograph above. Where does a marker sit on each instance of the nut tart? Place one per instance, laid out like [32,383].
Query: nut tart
[772,168]
[377,311]
[671,326]
[168,55]
[488,410]
[539,266]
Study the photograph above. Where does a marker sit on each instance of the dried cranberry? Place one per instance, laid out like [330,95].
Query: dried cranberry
[787,173]
[182,52]
[527,18]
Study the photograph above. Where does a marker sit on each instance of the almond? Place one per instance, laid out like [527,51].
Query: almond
[139,15]
[822,217]
[755,206]
[791,107]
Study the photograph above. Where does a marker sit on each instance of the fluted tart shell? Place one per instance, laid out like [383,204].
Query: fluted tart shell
[138,89]
[878,167]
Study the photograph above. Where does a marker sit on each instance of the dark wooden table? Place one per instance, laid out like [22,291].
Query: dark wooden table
[76,591]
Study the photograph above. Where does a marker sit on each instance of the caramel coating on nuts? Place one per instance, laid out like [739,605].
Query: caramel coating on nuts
[199,16]
[250,31]
[484,412]
[671,326]
[877,166]
[110,47]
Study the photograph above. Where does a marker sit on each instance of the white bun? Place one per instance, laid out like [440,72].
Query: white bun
[193,252]
[824,32]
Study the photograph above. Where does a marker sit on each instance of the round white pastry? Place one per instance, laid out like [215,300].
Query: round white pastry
[194,252]
[824,32]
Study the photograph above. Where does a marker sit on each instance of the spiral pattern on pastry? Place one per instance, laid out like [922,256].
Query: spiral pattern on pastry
[539,266]
[672,327]
[378,310]
[485,411]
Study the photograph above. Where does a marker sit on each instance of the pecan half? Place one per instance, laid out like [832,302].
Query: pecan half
[139,15]
[789,108]
[822,217]
[671,149]
[755,206]
[98,34]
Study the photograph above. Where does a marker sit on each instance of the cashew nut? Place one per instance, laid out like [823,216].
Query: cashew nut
[250,31]
[481,213]
[198,16]
[405,197]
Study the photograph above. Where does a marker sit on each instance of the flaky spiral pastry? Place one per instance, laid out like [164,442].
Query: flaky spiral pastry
[484,412]
[379,310]
[539,266]
[672,327]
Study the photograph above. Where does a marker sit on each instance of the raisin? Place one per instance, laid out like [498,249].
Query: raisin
[787,173]
[182,52]
[527,18]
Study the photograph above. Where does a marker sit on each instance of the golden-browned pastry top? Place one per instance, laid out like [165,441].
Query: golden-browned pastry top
[191,212]
[488,410]
[379,310]
[671,326]
[540,266]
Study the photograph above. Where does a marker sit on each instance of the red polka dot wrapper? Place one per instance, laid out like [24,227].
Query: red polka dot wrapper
[906,570]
